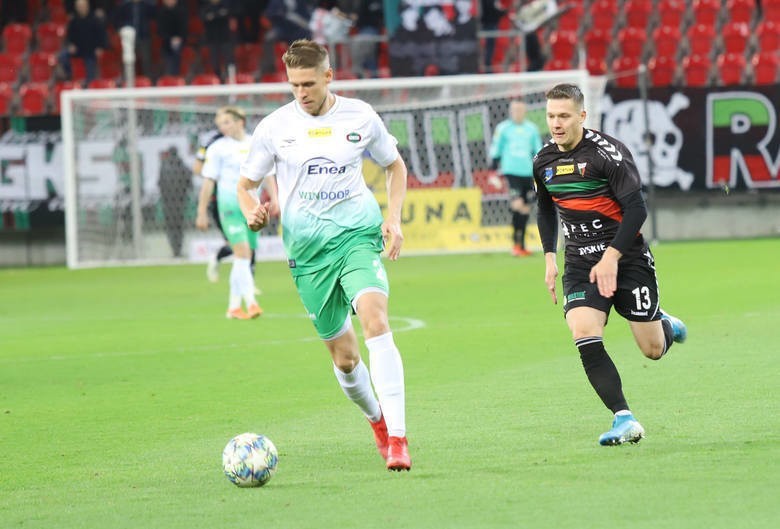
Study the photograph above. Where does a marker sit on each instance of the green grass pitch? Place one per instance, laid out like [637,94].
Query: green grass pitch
[120,387]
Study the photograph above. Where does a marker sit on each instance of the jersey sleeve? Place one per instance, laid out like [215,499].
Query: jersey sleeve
[382,146]
[260,160]
[545,217]
[212,162]
[622,174]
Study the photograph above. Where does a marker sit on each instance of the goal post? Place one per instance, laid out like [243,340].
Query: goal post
[118,216]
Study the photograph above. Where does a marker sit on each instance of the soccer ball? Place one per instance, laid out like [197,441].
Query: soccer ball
[249,460]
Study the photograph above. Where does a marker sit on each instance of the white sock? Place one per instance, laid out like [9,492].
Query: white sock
[357,387]
[235,290]
[387,374]
[244,282]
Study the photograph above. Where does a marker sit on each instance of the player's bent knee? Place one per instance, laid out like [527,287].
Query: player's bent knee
[653,351]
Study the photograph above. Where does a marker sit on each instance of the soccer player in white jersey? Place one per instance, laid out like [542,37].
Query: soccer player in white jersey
[221,168]
[333,231]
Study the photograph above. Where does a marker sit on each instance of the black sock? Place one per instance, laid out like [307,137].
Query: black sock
[602,373]
[223,252]
[668,335]
[523,222]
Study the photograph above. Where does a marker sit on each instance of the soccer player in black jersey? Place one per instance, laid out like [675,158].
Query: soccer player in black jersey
[592,181]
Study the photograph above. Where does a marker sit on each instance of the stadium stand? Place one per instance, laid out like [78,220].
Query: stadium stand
[33,99]
[730,68]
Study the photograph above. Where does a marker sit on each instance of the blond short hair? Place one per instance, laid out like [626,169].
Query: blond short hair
[304,53]
[236,112]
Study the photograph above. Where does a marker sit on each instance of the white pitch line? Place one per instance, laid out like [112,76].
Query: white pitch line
[408,324]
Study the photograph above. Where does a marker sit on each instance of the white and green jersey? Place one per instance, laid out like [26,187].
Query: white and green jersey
[323,196]
[223,164]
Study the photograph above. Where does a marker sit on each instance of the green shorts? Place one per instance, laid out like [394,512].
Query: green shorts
[328,294]
[234,227]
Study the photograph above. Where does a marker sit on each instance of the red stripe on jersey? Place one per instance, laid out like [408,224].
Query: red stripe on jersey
[604,205]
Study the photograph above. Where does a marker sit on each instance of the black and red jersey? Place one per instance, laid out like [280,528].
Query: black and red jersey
[590,186]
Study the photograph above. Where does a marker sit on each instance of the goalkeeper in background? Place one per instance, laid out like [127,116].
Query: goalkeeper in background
[334,232]
[593,183]
[515,142]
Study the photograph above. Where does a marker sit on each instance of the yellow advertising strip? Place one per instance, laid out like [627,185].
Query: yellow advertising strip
[449,219]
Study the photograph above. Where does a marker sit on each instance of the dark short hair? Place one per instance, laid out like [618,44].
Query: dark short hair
[567,91]
[304,53]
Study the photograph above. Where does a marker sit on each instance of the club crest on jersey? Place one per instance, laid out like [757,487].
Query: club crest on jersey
[548,174]
[354,137]
[322,132]
[581,168]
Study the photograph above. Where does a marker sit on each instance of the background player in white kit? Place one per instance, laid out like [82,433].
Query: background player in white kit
[221,168]
[333,231]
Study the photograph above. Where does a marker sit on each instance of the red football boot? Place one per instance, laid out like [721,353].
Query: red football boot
[398,455]
[380,435]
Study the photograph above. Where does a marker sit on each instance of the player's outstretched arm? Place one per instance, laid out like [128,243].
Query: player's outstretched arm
[256,214]
[396,192]
[206,190]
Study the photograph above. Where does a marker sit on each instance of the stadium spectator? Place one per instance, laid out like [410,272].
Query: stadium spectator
[334,231]
[172,29]
[289,22]
[250,12]
[175,184]
[219,23]
[515,142]
[491,14]
[139,14]
[593,183]
[221,168]
[368,19]
[85,38]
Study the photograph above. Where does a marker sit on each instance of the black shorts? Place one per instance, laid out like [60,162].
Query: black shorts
[521,187]
[636,297]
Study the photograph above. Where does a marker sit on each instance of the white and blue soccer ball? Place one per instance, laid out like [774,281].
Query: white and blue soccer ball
[249,460]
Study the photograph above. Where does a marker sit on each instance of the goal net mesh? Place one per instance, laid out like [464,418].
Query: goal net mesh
[131,196]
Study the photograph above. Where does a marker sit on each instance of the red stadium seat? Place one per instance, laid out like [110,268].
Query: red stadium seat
[666,41]
[16,38]
[603,14]
[701,37]
[625,70]
[735,37]
[731,68]
[6,99]
[637,13]
[41,65]
[244,78]
[596,65]
[49,36]
[189,58]
[206,79]
[766,66]
[102,83]
[706,12]
[740,10]
[598,43]
[571,20]
[696,70]
[171,80]
[562,44]
[768,35]
[78,69]
[142,81]
[631,41]
[110,64]
[33,99]
[248,57]
[558,64]
[663,70]
[771,10]
[10,67]
[671,12]
[59,87]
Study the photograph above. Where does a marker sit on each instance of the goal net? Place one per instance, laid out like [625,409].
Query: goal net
[131,197]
